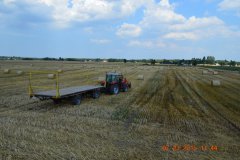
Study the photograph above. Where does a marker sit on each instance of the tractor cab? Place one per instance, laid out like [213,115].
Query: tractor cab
[115,82]
[112,77]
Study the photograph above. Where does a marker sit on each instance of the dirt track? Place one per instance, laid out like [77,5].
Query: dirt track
[173,106]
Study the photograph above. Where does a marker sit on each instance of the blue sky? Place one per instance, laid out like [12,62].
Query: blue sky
[131,29]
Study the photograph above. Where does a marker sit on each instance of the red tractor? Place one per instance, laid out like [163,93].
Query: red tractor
[115,82]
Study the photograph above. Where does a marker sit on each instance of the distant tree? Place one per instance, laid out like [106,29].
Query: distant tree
[232,63]
[97,60]
[175,61]
[27,58]
[165,61]
[181,62]
[188,62]
[153,61]
[222,63]
[194,62]
[124,60]
[210,60]
[71,59]
[132,60]
[114,60]
[204,60]
[199,60]
[48,59]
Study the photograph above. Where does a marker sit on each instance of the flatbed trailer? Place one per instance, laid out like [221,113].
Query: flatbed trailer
[67,92]
[74,94]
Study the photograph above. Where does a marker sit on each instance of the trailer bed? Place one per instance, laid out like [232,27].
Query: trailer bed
[67,92]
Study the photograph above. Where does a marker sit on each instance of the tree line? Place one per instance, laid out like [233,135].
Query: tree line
[193,61]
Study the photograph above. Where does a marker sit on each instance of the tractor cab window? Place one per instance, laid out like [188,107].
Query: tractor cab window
[114,78]
[109,78]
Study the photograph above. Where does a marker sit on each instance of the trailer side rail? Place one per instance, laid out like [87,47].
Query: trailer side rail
[32,87]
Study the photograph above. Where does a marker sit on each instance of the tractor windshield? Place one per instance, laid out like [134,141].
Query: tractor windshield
[109,78]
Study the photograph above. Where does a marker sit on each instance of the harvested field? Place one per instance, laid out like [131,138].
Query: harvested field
[174,113]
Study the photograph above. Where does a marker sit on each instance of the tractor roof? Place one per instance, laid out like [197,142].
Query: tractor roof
[114,73]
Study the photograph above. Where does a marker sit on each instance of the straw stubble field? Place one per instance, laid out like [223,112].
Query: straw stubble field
[170,109]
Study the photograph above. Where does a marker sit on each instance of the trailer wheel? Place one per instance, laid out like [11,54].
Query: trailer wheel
[115,90]
[76,100]
[56,101]
[96,94]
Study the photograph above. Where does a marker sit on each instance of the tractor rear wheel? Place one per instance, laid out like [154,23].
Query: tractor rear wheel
[129,85]
[125,88]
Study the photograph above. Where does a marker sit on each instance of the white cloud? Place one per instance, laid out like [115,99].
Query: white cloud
[162,20]
[146,44]
[181,36]
[230,5]
[160,14]
[63,14]
[80,11]
[197,28]
[130,30]
[138,43]
[128,7]
[100,41]
[88,30]
[200,28]
[8,2]
[197,23]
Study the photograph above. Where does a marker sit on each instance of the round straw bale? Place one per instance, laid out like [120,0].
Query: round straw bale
[215,83]
[204,72]
[6,71]
[60,71]
[51,76]
[140,77]
[19,73]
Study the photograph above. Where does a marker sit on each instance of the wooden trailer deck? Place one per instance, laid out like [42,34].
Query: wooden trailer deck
[67,92]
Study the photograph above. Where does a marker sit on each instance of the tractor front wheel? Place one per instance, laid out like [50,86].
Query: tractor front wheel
[115,90]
